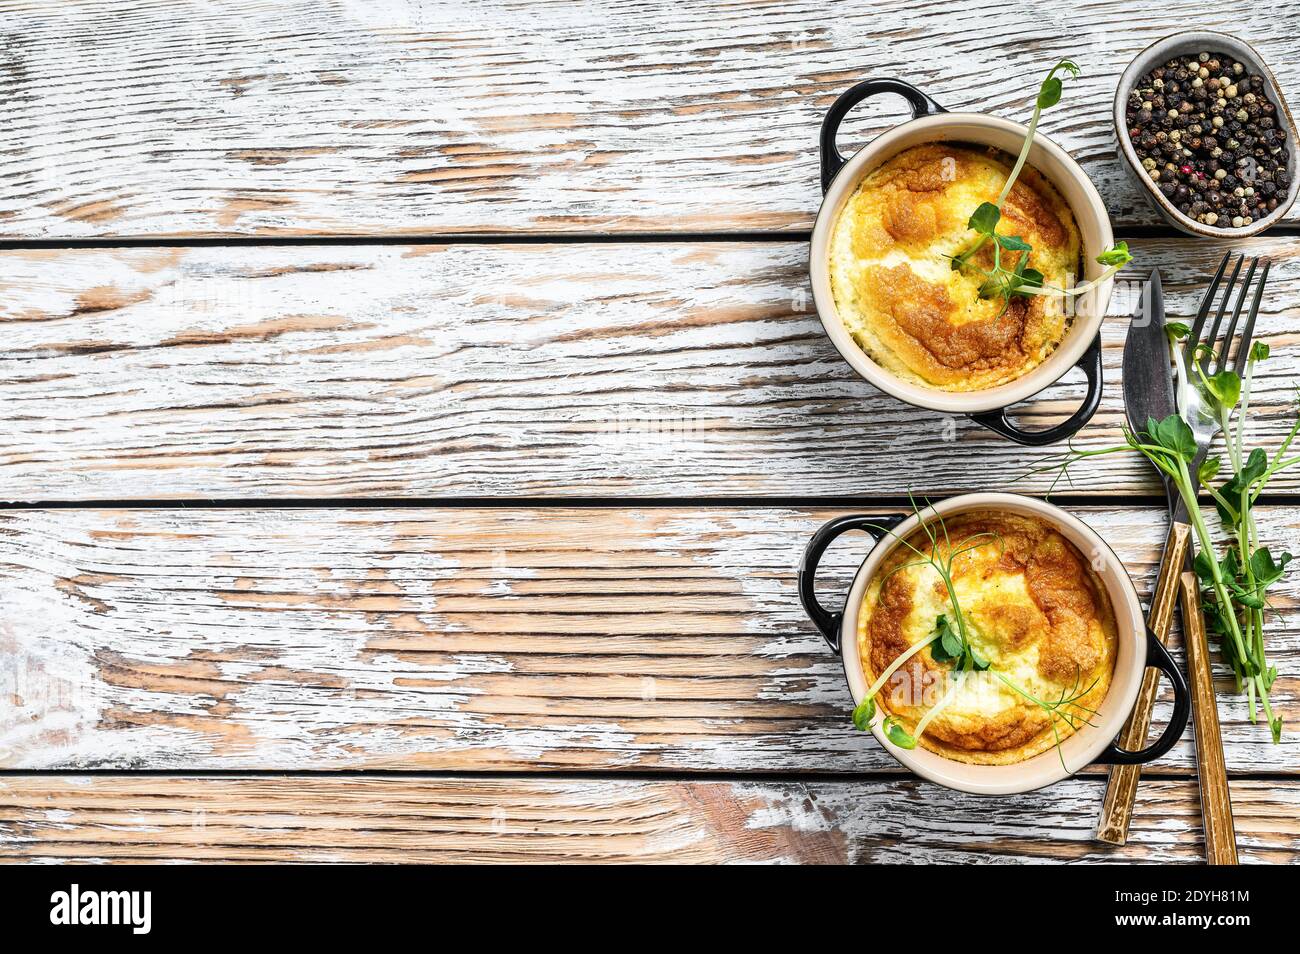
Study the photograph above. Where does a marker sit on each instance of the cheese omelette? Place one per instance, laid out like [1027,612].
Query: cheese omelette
[1035,610]
[892,278]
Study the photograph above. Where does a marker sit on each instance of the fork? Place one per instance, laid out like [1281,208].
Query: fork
[1210,354]
[1192,404]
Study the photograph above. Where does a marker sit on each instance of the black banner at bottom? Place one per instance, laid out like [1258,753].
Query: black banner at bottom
[216,903]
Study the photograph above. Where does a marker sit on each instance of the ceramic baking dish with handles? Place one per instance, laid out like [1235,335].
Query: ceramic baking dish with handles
[1137,648]
[931,123]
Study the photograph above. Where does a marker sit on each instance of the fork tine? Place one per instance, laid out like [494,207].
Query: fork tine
[1213,336]
[1195,334]
[1221,354]
[1248,334]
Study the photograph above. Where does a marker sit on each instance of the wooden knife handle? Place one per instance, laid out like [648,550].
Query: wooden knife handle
[1216,802]
[1117,810]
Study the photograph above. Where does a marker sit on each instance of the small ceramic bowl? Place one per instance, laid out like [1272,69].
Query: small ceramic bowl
[1187,44]
[1137,648]
[931,123]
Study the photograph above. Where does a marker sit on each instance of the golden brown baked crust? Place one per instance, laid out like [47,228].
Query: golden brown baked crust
[892,277]
[1035,610]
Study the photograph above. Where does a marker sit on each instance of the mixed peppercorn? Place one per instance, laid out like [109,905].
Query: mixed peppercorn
[1210,139]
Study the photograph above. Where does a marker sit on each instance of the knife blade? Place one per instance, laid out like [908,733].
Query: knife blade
[1148,393]
[1148,376]
[1148,381]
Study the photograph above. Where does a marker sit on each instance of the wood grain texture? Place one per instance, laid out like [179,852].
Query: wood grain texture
[253,117]
[526,370]
[527,819]
[516,639]
[1211,770]
[1121,789]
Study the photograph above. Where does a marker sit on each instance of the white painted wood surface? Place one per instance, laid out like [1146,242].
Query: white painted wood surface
[254,117]
[354,819]
[651,369]
[528,639]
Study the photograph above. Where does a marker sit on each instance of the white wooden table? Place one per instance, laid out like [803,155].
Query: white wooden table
[415,413]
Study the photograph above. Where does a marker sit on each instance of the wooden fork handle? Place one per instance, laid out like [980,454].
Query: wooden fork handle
[1216,802]
[1121,789]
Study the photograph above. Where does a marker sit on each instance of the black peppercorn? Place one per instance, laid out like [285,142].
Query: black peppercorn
[1205,132]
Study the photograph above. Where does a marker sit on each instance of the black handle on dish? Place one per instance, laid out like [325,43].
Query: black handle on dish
[828,623]
[999,422]
[1159,657]
[832,161]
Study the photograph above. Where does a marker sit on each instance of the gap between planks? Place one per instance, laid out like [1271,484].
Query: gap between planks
[1130,233]
[1066,501]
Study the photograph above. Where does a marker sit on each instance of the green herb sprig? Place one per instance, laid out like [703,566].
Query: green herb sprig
[1234,585]
[1013,277]
[1067,705]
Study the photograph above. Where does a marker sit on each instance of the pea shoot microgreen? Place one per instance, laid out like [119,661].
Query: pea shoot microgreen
[951,645]
[895,732]
[1066,706]
[1233,586]
[1011,275]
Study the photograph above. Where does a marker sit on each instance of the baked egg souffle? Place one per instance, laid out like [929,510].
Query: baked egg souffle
[892,277]
[1034,609]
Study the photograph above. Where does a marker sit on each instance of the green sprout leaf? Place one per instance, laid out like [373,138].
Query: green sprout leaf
[1226,388]
[995,286]
[864,713]
[985,218]
[1117,255]
[949,646]
[1176,331]
[1209,470]
[1265,569]
[1259,351]
[896,734]
[1173,435]
[1025,280]
[1049,94]
[1230,492]
[1201,566]
[1246,597]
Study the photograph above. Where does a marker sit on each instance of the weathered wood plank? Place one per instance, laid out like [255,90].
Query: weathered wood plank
[526,370]
[448,820]
[528,639]
[154,118]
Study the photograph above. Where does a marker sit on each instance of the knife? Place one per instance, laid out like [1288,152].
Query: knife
[1148,393]
[1216,802]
